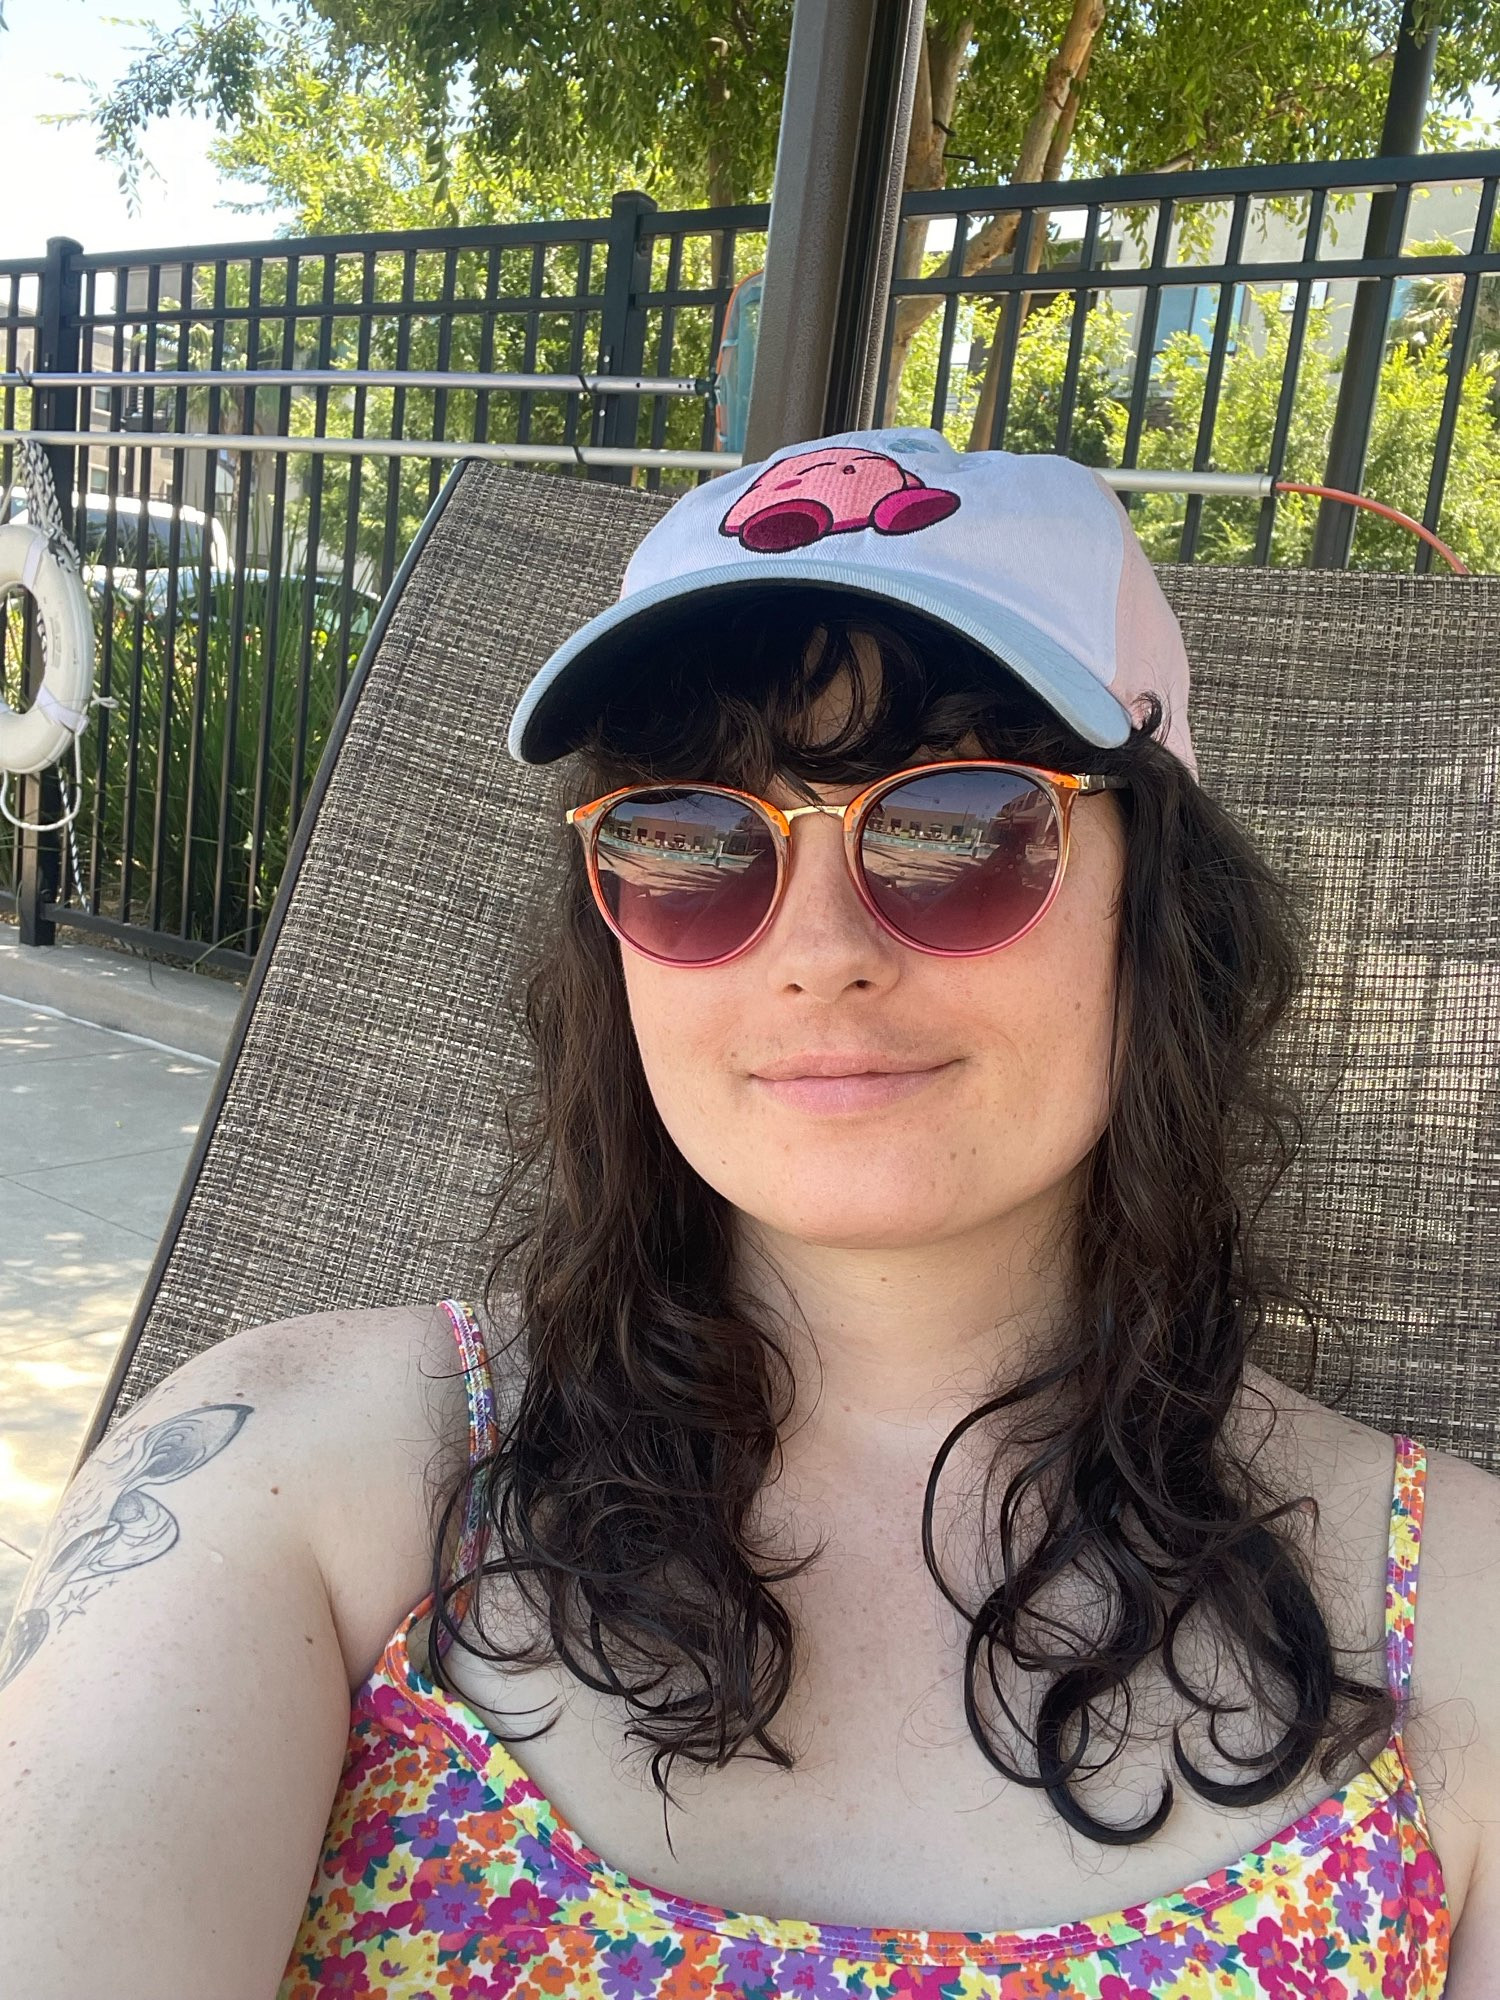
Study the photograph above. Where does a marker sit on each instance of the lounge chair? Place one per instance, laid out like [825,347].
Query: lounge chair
[355,1131]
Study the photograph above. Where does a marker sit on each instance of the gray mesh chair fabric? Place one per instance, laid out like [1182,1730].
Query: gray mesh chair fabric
[355,1133]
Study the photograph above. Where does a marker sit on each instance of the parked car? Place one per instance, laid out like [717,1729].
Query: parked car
[127,544]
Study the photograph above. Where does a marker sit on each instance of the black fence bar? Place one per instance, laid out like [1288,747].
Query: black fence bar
[234,580]
[1011,310]
[1213,383]
[622,325]
[208,585]
[161,861]
[40,793]
[1078,322]
[1458,362]
[950,328]
[1359,380]
[312,588]
[1146,337]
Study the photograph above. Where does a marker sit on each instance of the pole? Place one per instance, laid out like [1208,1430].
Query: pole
[1349,442]
[622,322]
[41,799]
[835,207]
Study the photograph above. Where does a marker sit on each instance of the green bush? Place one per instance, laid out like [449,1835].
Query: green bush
[1403,434]
[1403,437]
[189,734]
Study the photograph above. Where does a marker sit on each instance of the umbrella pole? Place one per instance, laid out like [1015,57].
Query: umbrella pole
[835,212]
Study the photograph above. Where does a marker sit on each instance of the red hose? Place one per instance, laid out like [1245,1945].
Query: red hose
[1375,507]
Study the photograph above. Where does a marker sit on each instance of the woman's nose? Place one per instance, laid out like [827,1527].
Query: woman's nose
[823,939]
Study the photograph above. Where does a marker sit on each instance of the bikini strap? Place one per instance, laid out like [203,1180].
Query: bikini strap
[1402,1560]
[484,1437]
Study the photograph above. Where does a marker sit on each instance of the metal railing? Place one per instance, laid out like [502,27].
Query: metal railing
[1151,239]
[234,582]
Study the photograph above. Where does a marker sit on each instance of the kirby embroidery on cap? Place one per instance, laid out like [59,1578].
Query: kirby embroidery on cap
[810,494]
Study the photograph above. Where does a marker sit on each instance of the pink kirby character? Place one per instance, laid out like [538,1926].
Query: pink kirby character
[815,493]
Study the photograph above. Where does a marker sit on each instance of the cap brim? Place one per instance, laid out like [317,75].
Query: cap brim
[562,702]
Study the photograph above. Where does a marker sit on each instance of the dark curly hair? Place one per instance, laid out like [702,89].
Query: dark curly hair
[652,1396]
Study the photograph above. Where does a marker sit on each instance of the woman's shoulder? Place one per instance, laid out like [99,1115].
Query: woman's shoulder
[371,1376]
[1350,1469]
[375,1413]
[1345,1454]
[1452,1734]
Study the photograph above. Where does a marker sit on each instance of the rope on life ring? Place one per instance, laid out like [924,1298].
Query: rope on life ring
[32,738]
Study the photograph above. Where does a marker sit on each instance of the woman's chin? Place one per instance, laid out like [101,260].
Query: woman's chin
[833,1221]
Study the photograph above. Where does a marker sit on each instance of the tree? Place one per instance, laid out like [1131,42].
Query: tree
[1430,314]
[479,110]
[1408,409]
[392,168]
[684,99]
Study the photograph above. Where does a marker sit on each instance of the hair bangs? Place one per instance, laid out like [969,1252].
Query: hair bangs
[815,687]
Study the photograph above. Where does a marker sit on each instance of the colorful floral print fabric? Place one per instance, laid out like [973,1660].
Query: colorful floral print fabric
[446,1875]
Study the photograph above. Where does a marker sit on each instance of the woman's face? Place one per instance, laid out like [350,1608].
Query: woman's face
[843,1089]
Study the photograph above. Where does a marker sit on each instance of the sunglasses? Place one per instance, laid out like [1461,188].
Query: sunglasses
[955,859]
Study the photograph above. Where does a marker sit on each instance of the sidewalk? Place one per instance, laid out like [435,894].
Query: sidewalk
[106,1067]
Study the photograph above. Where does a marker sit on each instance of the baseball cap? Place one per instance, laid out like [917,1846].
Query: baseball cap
[1029,556]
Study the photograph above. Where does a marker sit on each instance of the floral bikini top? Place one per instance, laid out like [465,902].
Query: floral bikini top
[446,1875]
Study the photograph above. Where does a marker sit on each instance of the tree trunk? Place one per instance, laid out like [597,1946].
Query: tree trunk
[1019,303]
[926,167]
[721,194]
[997,238]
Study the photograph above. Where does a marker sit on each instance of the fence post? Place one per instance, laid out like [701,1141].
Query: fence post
[1359,384]
[622,325]
[41,798]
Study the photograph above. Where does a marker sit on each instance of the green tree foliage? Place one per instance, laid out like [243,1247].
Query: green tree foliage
[560,97]
[1410,400]
[1098,427]
[1398,467]
[401,162]
[461,112]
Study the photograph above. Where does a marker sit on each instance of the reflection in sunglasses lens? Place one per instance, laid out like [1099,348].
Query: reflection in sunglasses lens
[686,875]
[962,860]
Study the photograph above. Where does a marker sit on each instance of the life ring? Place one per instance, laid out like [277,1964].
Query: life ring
[33,738]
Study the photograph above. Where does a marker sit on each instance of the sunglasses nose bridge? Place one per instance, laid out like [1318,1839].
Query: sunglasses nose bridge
[796,812]
[850,865]
[786,815]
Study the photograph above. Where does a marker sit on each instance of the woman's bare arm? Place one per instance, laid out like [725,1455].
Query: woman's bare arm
[1454,1739]
[174,1703]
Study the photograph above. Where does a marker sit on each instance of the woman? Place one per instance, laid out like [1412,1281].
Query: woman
[871,1516]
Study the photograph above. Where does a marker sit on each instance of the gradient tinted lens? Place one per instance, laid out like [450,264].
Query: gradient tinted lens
[962,860]
[687,876]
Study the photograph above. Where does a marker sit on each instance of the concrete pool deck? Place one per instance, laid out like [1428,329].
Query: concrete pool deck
[107,1063]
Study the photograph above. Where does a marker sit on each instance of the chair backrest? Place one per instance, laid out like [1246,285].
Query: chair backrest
[354,1137]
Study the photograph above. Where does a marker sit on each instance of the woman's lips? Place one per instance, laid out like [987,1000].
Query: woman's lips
[866,1090]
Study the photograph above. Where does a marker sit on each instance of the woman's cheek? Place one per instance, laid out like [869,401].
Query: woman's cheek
[679,1049]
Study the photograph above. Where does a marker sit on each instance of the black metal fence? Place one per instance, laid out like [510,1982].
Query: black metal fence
[1172,325]
[1200,320]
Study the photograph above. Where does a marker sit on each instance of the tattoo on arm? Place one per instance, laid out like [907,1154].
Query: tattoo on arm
[81,1551]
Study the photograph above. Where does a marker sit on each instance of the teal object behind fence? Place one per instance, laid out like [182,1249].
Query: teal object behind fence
[735,367]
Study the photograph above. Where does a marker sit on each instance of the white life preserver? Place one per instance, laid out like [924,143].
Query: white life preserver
[33,738]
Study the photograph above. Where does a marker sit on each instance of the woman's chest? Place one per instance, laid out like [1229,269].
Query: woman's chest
[890,1813]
